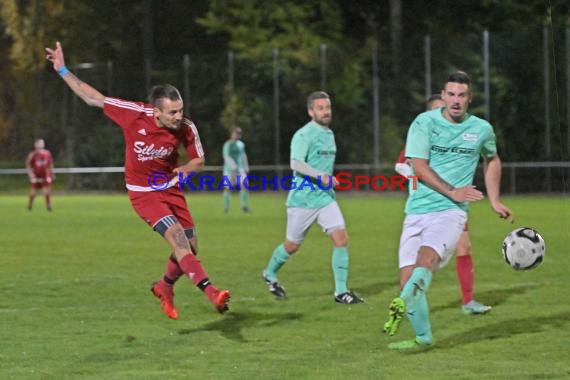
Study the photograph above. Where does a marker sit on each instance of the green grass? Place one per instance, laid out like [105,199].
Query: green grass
[75,302]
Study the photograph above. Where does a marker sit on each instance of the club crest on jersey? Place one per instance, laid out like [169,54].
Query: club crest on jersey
[148,152]
[469,137]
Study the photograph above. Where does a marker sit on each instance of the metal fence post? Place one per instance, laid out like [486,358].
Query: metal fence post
[546,63]
[323,56]
[486,75]
[567,92]
[186,81]
[376,109]
[277,157]
[231,88]
[427,65]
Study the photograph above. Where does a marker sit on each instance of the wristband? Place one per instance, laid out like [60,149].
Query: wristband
[63,71]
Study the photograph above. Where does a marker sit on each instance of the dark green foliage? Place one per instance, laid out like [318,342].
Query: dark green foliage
[35,103]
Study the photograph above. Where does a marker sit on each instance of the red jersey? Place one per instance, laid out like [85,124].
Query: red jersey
[402,157]
[148,148]
[41,163]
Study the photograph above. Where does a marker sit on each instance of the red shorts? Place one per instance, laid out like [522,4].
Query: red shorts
[41,182]
[152,206]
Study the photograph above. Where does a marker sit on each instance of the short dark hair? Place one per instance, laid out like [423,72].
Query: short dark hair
[162,91]
[431,99]
[459,77]
[314,96]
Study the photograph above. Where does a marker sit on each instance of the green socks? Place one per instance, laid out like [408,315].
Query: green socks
[226,201]
[414,295]
[278,258]
[244,198]
[339,266]
[340,269]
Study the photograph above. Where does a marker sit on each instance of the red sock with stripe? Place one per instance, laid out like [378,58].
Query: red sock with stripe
[191,266]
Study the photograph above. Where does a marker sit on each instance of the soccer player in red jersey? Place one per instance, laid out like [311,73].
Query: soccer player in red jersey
[463,258]
[153,133]
[39,165]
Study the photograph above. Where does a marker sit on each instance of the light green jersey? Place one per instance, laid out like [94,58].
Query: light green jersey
[315,145]
[453,152]
[236,151]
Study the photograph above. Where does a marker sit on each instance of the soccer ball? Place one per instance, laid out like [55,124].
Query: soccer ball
[524,248]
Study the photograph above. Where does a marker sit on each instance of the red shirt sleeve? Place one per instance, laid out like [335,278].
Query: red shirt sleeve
[124,112]
[191,140]
[402,157]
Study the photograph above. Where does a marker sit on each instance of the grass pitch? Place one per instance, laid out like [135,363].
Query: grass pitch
[75,302]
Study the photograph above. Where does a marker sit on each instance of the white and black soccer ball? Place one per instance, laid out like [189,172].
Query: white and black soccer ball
[524,248]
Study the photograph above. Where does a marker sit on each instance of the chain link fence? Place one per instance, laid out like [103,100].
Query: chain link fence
[521,84]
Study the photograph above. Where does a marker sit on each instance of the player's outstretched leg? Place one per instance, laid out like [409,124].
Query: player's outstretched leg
[396,312]
[192,267]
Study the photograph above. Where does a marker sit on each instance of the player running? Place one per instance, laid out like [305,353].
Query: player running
[313,152]
[463,259]
[444,146]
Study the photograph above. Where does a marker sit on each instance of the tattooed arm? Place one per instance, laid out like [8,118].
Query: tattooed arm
[89,95]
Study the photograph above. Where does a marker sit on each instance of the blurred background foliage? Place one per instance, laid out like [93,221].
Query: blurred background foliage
[133,44]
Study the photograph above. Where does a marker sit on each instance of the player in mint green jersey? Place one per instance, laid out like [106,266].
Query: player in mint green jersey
[444,146]
[312,199]
[235,166]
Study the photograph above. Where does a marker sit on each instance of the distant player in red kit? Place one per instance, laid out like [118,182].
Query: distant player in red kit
[39,165]
[153,133]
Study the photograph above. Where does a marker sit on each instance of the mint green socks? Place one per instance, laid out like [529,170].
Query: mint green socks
[414,295]
[340,269]
[244,198]
[226,201]
[278,258]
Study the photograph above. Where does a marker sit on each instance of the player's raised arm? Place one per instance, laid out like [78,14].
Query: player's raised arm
[89,95]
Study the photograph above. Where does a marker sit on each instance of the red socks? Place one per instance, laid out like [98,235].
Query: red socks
[464,269]
[173,271]
[193,268]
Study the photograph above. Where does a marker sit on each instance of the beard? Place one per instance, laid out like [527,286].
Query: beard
[324,120]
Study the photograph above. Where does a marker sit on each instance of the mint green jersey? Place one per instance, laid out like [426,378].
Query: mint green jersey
[315,145]
[453,152]
[236,151]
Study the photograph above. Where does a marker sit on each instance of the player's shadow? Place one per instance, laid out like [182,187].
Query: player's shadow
[505,329]
[490,297]
[233,323]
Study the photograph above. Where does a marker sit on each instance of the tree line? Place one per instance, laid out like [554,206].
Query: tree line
[130,39]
